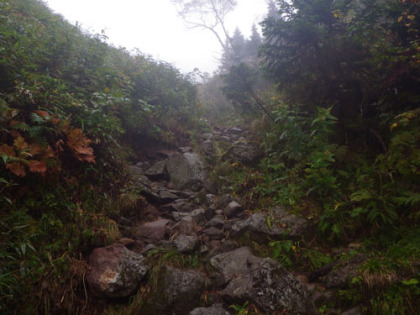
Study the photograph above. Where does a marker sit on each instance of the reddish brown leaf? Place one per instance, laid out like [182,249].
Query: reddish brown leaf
[7,150]
[20,144]
[17,169]
[79,144]
[35,149]
[37,166]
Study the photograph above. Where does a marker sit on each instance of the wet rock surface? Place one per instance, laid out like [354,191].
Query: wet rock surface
[186,171]
[115,271]
[179,291]
[180,217]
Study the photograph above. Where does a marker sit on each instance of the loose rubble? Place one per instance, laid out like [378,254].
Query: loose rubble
[182,215]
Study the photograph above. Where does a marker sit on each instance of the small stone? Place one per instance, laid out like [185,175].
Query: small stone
[233,209]
[210,212]
[214,233]
[210,199]
[219,212]
[215,222]
[198,216]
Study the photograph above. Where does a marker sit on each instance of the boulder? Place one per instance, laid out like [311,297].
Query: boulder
[186,171]
[157,171]
[115,272]
[271,287]
[186,226]
[244,152]
[261,228]
[232,264]
[186,243]
[257,228]
[178,291]
[295,226]
[261,281]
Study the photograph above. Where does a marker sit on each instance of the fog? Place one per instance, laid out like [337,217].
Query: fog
[155,29]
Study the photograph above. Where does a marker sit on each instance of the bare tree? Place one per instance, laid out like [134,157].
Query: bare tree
[209,15]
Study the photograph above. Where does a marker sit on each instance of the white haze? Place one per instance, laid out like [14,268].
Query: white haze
[153,27]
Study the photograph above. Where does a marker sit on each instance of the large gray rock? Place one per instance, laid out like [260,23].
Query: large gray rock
[257,227]
[157,171]
[178,291]
[115,272]
[233,264]
[244,152]
[261,281]
[295,226]
[260,227]
[186,225]
[186,243]
[186,171]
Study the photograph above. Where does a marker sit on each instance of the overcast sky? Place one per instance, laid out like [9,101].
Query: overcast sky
[154,28]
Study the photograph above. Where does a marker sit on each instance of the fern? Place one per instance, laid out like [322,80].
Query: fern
[409,199]
[37,119]
[361,195]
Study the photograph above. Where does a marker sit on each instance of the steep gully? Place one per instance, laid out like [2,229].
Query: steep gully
[182,213]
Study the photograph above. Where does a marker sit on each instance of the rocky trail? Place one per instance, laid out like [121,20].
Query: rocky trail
[184,217]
